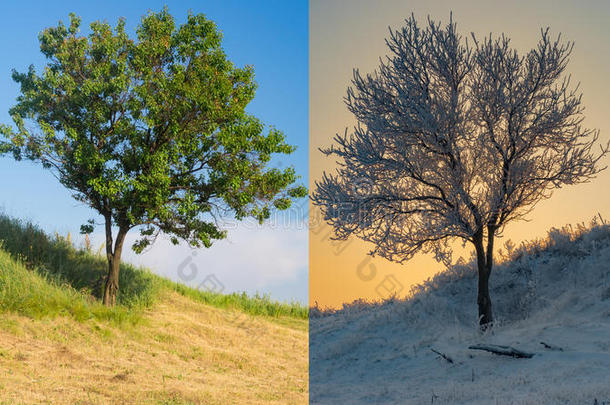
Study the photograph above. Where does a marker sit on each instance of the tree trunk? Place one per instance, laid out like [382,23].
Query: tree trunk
[112,282]
[484,264]
[114,261]
[483,299]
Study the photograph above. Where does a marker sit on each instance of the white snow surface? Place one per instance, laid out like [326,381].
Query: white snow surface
[555,291]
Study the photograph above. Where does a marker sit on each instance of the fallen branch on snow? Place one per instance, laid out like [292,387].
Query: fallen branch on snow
[443,355]
[503,350]
[551,347]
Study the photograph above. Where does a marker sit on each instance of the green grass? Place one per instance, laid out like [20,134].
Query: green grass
[254,305]
[31,294]
[43,276]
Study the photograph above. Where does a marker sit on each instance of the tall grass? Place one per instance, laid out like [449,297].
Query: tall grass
[254,305]
[55,267]
[32,294]
[56,258]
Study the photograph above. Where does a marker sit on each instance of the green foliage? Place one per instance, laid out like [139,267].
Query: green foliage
[151,132]
[52,277]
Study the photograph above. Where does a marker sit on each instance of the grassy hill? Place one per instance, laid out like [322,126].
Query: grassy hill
[164,343]
[554,290]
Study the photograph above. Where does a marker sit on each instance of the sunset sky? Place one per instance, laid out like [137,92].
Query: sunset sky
[345,34]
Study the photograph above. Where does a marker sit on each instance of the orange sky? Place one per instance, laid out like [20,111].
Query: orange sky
[350,33]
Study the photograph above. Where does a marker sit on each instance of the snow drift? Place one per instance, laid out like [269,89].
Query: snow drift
[555,290]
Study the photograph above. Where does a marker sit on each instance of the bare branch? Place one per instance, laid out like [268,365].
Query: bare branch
[455,141]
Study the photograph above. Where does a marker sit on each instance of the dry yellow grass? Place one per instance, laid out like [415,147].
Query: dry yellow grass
[183,353]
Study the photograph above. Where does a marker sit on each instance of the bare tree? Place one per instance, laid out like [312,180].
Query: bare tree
[454,140]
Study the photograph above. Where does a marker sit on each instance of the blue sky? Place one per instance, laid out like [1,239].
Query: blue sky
[271,36]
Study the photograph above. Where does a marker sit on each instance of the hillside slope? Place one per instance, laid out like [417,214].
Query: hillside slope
[182,352]
[555,291]
[164,343]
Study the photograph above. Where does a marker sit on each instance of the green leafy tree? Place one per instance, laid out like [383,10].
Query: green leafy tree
[150,132]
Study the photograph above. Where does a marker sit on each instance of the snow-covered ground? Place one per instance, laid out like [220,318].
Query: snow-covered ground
[555,291]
